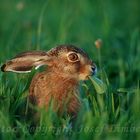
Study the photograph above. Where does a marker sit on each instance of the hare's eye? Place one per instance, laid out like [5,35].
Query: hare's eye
[73,57]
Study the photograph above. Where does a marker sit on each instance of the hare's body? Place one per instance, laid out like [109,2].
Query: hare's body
[67,65]
[62,91]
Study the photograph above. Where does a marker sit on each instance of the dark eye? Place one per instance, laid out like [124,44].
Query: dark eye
[73,57]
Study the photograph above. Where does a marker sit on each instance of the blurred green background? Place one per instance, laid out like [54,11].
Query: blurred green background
[43,24]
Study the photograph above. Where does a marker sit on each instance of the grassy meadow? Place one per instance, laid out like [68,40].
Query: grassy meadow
[42,24]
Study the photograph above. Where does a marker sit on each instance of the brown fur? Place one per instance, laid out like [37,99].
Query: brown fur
[47,86]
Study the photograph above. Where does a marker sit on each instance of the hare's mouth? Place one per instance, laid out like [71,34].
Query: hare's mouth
[83,76]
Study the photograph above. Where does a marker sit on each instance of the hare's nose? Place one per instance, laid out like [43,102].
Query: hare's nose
[94,69]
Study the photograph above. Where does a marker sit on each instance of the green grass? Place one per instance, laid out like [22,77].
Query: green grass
[41,25]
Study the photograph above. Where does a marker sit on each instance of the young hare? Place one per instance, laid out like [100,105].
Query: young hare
[67,65]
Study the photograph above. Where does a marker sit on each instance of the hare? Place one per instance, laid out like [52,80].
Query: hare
[66,66]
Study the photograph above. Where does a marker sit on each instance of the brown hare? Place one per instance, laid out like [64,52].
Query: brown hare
[66,66]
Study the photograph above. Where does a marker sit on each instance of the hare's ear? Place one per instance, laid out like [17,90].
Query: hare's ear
[24,62]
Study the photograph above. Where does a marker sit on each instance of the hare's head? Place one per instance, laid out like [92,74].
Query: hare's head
[66,60]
